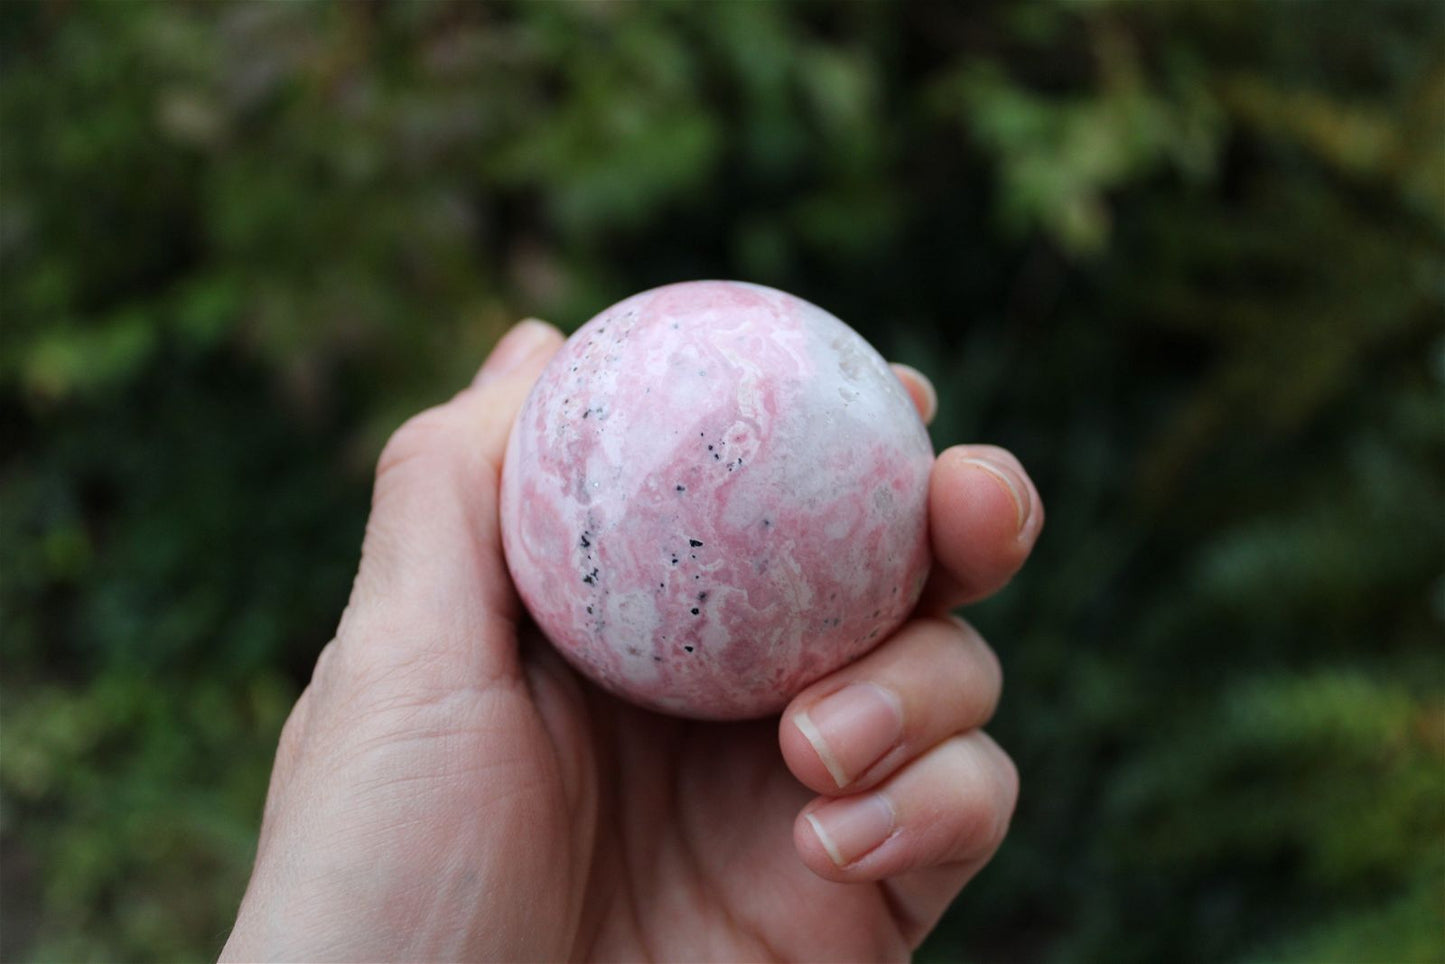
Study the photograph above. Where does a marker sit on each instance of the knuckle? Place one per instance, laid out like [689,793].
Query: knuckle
[294,729]
[984,799]
[1009,786]
[973,671]
[991,671]
[328,667]
[951,638]
[326,657]
[418,435]
[1005,786]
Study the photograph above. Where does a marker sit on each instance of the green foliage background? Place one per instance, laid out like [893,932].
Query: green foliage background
[1187,259]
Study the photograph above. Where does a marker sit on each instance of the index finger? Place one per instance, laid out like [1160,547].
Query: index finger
[984,517]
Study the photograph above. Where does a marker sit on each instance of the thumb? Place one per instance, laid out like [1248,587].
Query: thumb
[433,595]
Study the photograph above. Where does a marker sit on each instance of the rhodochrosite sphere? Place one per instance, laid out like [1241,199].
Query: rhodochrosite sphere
[716,494]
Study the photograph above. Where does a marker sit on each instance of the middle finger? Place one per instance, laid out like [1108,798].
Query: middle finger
[851,730]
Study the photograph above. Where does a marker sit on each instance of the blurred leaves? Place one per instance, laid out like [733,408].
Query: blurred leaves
[142,781]
[1058,158]
[1186,259]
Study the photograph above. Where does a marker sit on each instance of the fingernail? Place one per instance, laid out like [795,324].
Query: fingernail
[930,395]
[1005,476]
[850,829]
[852,728]
[519,344]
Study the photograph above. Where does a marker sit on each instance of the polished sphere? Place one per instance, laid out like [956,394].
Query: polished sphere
[715,494]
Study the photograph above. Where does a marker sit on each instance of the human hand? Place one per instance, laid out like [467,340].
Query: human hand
[447,788]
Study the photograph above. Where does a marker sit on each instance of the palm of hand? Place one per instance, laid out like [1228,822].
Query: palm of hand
[691,851]
[650,837]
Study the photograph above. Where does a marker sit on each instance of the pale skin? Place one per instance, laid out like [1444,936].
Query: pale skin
[446,788]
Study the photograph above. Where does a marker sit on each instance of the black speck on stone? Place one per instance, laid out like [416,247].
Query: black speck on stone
[688,648]
[709,448]
[589,609]
[694,543]
[585,543]
[587,413]
[682,488]
[695,610]
[715,456]
[702,596]
[674,560]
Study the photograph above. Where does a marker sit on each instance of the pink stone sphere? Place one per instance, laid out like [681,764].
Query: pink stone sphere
[715,494]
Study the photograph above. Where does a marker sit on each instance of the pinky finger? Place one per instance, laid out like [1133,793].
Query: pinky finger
[951,806]
[920,390]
